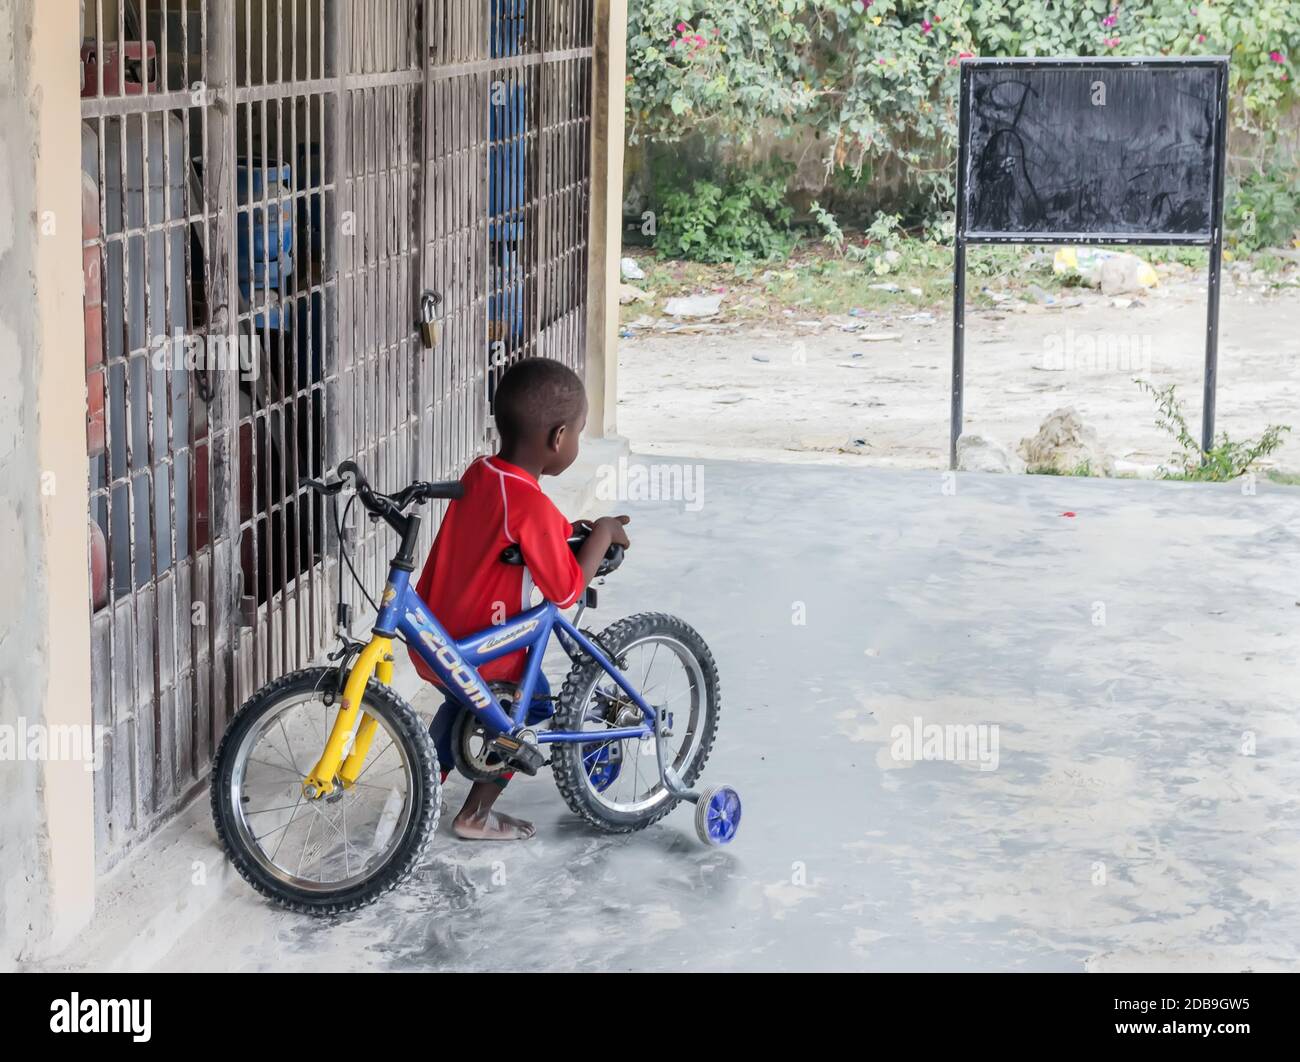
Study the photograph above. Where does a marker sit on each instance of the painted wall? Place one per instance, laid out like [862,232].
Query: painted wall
[46,810]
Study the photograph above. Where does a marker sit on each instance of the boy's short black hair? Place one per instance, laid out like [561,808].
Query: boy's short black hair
[536,396]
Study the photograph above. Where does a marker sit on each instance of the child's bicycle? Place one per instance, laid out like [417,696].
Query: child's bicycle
[326,787]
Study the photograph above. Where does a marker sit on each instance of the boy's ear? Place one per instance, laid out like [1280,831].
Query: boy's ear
[556,437]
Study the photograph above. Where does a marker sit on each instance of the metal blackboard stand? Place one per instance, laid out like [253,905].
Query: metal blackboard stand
[1213,240]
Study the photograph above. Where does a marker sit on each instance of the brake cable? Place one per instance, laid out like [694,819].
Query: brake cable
[343,553]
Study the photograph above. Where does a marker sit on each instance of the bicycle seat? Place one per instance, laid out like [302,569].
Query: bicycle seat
[512,554]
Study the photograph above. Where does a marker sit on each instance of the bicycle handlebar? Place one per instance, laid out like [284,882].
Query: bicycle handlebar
[387,505]
[512,554]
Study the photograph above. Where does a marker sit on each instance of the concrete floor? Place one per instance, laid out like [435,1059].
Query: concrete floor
[1122,828]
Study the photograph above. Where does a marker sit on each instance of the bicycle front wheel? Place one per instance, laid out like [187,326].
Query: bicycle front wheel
[338,852]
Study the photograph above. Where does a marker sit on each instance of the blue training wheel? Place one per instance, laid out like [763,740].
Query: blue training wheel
[717,814]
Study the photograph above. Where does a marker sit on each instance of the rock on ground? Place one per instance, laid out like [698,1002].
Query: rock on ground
[978,453]
[693,306]
[1066,446]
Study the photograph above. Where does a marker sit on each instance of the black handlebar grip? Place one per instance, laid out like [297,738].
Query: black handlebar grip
[452,490]
[612,559]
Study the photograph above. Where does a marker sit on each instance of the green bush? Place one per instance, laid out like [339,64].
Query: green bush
[1226,459]
[877,79]
[743,219]
[1264,210]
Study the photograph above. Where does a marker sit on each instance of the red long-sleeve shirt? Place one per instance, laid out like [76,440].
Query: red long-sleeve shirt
[464,581]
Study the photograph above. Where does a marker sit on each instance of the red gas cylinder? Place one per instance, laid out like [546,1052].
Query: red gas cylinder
[98,565]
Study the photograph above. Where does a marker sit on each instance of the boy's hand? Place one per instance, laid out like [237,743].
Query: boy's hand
[616,525]
[605,532]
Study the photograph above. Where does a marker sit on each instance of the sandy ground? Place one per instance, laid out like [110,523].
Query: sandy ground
[810,391]
[1134,644]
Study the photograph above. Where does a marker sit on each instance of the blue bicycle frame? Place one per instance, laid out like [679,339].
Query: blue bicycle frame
[456,663]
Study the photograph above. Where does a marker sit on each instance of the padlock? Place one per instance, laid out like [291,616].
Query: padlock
[430,325]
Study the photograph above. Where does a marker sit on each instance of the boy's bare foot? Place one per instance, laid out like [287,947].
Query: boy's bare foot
[476,821]
[487,825]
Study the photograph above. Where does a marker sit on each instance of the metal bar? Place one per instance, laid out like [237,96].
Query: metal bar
[224,409]
[1088,61]
[188,755]
[1211,382]
[958,350]
[1146,239]
[523,60]
[956,415]
[273,90]
[423,465]
[164,744]
[288,575]
[116,106]
[542,198]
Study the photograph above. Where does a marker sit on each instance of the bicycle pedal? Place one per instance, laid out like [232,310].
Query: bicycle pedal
[522,755]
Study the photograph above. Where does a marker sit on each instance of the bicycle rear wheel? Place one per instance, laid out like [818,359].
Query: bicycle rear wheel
[614,784]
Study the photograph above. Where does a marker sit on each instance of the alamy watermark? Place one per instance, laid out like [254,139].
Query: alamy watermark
[1089,352]
[189,352]
[39,743]
[115,1016]
[954,742]
[651,481]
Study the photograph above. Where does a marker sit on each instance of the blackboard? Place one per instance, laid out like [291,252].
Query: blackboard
[1091,150]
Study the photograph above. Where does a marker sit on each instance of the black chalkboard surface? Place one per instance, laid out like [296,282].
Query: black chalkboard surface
[1091,149]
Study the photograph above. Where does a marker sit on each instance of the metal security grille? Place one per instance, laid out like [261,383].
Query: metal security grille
[269,187]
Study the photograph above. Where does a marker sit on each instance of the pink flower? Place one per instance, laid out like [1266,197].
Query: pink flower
[672,43]
[1109,20]
[1277,57]
[1200,38]
[881,62]
[867,3]
[682,27]
[959,57]
[1110,42]
[926,25]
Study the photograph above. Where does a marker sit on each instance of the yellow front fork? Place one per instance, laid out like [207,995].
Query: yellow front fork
[347,738]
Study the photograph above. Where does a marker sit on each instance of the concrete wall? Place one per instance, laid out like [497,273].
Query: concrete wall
[46,810]
[22,608]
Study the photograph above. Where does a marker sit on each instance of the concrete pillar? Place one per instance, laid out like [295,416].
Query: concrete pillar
[63,654]
[47,875]
[605,232]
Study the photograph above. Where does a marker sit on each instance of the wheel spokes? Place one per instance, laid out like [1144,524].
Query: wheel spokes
[313,844]
[628,787]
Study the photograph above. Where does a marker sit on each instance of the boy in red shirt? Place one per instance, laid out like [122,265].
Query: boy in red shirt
[541,409]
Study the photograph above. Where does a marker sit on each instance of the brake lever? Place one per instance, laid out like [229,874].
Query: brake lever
[412,493]
[328,489]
